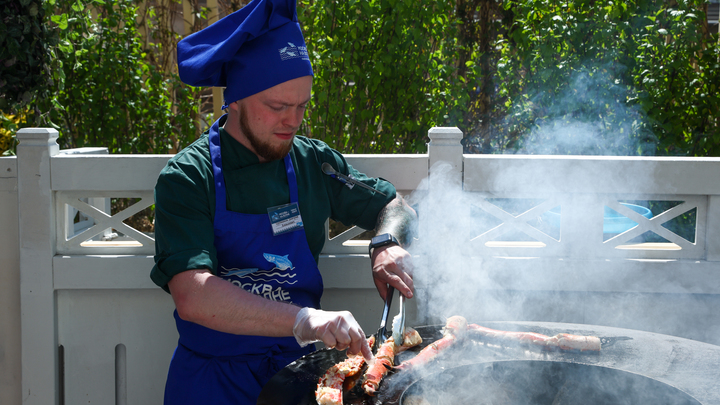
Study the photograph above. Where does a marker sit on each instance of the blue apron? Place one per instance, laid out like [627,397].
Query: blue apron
[211,367]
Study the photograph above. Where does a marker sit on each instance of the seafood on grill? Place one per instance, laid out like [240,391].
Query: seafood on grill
[330,386]
[385,358]
[562,341]
[457,329]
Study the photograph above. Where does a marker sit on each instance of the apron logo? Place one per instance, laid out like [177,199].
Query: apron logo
[291,51]
[281,262]
[237,272]
[260,282]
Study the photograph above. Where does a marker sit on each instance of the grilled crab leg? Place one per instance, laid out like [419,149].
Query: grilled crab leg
[385,357]
[564,341]
[330,386]
[376,371]
[455,329]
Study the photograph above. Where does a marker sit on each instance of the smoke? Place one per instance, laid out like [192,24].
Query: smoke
[448,221]
[459,272]
[593,115]
[451,279]
[454,278]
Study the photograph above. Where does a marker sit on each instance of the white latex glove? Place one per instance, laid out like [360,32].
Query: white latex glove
[336,329]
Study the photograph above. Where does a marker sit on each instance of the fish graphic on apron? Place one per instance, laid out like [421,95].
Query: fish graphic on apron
[212,367]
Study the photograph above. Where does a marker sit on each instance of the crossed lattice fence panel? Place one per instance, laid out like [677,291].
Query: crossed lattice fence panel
[579,227]
[86,226]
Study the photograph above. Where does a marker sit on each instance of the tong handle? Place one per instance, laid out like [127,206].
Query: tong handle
[380,339]
[399,326]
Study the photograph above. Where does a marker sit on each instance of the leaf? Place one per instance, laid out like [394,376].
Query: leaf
[61,20]
[65,47]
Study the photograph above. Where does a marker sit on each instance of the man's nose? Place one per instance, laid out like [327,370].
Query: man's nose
[294,117]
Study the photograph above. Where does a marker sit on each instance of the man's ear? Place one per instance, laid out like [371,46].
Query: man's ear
[234,106]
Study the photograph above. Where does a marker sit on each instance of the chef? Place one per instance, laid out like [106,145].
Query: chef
[240,216]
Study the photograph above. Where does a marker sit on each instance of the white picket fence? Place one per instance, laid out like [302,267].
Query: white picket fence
[81,322]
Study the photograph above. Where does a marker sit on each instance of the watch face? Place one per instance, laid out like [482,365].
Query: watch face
[381,239]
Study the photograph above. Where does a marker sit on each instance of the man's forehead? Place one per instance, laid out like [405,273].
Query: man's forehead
[293,91]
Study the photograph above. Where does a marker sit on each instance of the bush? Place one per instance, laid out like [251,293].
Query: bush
[531,76]
[383,72]
[604,77]
[26,45]
[110,90]
[101,83]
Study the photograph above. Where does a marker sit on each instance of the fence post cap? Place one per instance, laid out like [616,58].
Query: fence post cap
[37,136]
[445,134]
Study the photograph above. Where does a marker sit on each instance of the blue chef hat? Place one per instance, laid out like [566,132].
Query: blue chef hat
[255,48]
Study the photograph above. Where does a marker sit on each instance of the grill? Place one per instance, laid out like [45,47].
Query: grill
[632,367]
[540,382]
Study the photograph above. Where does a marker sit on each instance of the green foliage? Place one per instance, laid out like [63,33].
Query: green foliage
[383,72]
[9,125]
[86,70]
[25,50]
[109,94]
[677,75]
[534,76]
[635,77]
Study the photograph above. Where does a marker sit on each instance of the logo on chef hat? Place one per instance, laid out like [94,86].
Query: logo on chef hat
[293,52]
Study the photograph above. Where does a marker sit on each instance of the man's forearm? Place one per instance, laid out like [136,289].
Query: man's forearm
[399,220]
[208,300]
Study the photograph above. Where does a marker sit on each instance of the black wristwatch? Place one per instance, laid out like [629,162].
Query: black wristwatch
[381,240]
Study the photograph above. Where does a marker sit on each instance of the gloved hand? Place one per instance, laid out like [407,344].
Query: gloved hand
[335,329]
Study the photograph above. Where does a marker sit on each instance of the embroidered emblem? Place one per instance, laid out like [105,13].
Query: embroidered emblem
[281,262]
[292,52]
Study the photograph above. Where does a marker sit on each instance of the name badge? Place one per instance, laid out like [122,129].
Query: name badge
[285,218]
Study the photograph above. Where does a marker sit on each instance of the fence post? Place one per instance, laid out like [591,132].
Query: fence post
[36,212]
[10,364]
[444,147]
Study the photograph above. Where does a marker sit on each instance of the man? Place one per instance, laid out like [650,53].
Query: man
[240,217]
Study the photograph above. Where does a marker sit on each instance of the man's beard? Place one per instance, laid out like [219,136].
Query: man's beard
[263,149]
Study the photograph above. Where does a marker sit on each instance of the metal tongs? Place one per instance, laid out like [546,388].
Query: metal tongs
[380,338]
[398,322]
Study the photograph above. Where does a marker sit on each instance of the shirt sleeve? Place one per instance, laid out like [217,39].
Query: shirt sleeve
[184,208]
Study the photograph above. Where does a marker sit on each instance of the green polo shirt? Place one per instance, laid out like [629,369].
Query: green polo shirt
[185,199]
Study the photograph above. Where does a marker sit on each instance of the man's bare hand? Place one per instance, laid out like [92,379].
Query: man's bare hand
[392,265]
